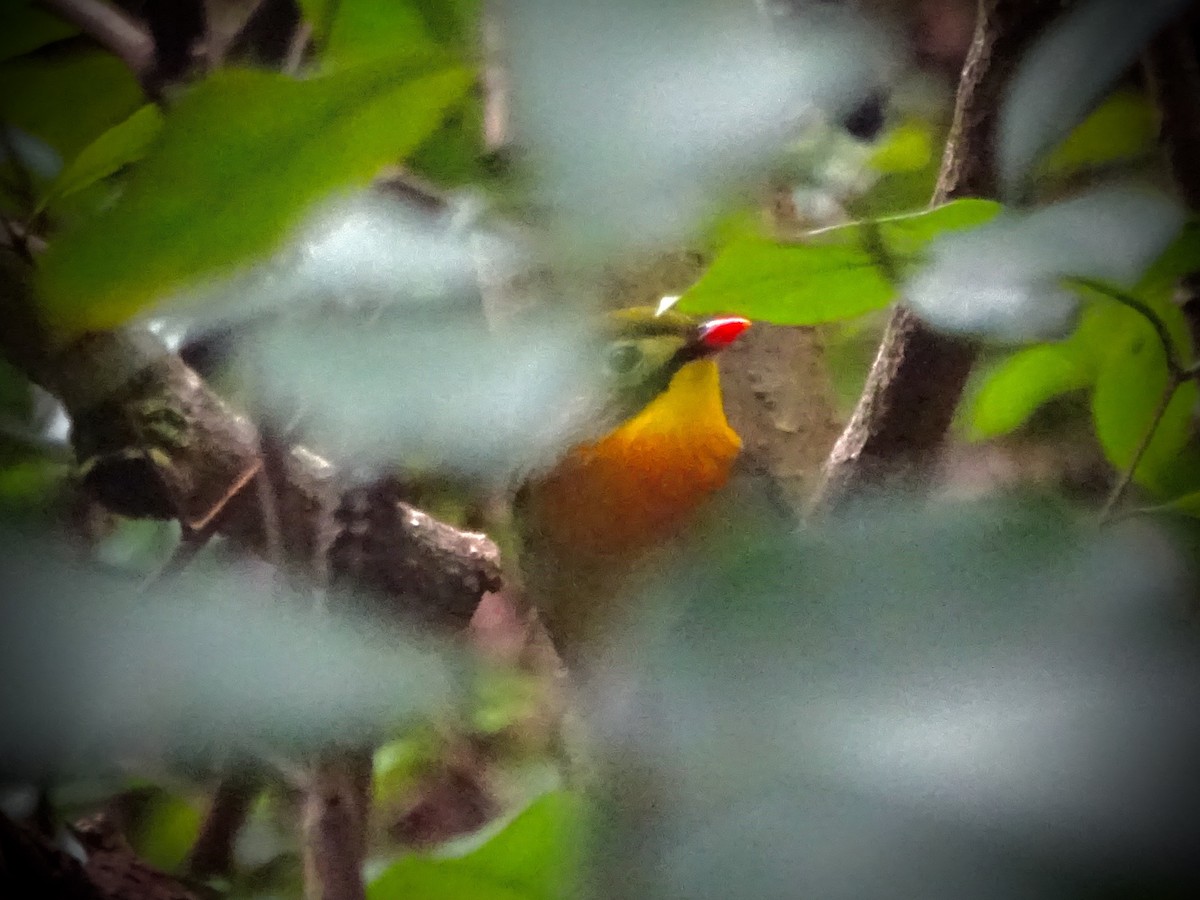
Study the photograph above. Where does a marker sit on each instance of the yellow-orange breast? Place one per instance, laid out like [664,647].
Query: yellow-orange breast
[637,486]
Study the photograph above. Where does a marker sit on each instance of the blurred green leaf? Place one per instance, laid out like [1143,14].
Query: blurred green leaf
[319,15]
[909,147]
[398,763]
[1016,388]
[371,29]
[452,155]
[25,27]
[1181,258]
[451,22]
[1122,128]
[166,833]
[118,147]
[215,193]
[1188,505]
[831,276]
[67,94]
[533,857]
[1129,386]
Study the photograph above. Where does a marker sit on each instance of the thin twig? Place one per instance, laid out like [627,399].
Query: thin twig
[110,27]
[1127,476]
[297,48]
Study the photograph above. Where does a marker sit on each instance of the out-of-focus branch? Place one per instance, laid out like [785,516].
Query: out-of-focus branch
[212,854]
[896,431]
[155,441]
[110,27]
[336,810]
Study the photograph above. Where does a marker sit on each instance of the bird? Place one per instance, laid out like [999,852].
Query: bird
[597,519]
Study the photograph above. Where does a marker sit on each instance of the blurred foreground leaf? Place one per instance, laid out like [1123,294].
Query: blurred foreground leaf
[206,665]
[215,193]
[891,704]
[1066,73]
[833,274]
[532,857]
[67,94]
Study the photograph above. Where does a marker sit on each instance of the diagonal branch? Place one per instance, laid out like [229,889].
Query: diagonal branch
[915,383]
[155,441]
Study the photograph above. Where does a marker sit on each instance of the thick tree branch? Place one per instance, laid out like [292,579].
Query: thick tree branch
[155,441]
[914,386]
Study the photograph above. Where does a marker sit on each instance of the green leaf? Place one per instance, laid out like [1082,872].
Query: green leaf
[67,94]
[1024,381]
[1122,128]
[1129,387]
[216,192]
[907,148]
[532,858]
[167,832]
[831,276]
[371,29]
[25,27]
[1188,505]
[118,147]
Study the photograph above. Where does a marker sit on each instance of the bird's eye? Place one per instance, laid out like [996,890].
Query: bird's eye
[623,358]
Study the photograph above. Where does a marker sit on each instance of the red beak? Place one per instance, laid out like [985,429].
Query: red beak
[717,334]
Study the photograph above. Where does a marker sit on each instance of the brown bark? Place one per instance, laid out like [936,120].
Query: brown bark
[895,434]
[336,812]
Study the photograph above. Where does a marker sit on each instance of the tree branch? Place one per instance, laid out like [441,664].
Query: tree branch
[336,811]
[915,383]
[155,441]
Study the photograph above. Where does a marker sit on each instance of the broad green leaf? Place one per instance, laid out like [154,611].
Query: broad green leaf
[1188,504]
[372,29]
[1121,128]
[25,27]
[215,192]
[831,276]
[67,94]
[118,147]
[1129,387]
[452,156]
[1022,383]
[532,858]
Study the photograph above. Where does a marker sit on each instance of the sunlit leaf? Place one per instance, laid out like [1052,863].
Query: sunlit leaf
[1021,384]
[832,275]
[1066,73]
[118,147]
[25,27]
[215,193]
[68,94]
[533,857]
